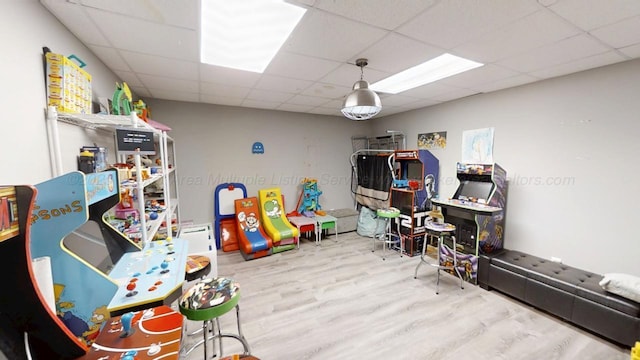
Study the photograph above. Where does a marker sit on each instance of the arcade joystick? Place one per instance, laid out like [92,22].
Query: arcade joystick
[126,319]
[164,267]
[131,287]
[130,355]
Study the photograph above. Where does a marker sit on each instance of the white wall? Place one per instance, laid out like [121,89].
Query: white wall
[570,147]
[26,27]
[214,143]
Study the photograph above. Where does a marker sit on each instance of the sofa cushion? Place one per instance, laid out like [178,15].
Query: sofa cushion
[625,285]
[589,288]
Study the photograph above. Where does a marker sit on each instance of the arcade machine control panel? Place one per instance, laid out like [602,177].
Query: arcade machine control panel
[150,277]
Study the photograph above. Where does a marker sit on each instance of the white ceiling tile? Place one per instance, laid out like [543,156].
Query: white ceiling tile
[479,75]
[632,51]
[221,75]
[129,77]
[506,83]
[300,66]
[110,57]
[76,20]
[334,104]
[621,34]
[170,12]
[381,13]
[157,65]
[316,69]
[591,62]
[266,95]
[281,83]
[529,33]
[396,100]
[453,22]
[430,90]
[150,38]
[221,100]
[323,35]
[260,104]
[347,74]
[396,52]
[455,94]
[162,83]
[303,3]
[591,14]
[420,104]
[307,100]
[561,52]
[328,91]
[547,2]
[140,91]
[295,107]
[174,95]
[207,88]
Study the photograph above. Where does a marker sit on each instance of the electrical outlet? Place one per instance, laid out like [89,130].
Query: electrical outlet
[556,260]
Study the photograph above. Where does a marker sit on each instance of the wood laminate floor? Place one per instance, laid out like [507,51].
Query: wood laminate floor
[342,301]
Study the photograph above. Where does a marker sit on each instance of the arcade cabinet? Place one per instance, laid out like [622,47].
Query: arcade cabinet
[477,211]
[83,292]
[412,191]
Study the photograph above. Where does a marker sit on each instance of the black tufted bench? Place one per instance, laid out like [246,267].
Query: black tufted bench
[569,293]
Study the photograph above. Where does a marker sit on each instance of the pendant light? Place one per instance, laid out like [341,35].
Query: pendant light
[362,103]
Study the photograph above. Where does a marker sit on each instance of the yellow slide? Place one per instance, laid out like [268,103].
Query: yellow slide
[274,220]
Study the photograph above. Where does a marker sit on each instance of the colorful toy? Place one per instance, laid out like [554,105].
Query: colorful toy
[141,109]
[121,103]
[308,203]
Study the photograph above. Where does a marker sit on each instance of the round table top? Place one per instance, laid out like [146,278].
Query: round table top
[441,227]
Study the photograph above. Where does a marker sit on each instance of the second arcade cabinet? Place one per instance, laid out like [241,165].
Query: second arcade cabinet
[412,191]
[477,211]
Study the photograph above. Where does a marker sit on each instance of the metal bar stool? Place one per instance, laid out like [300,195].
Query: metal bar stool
[441,231]
[387,215]
[207,300]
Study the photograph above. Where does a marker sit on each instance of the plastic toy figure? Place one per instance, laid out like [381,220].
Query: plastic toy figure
[309,202]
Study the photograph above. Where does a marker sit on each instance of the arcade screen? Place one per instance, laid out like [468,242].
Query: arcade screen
[474,189]
[414,171]
[88,243]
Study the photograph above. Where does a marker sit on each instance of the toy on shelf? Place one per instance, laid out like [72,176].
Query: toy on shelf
[121,103]
[141,110]
[308,204]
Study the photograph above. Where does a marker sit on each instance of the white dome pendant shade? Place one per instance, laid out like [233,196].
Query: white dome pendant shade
[362,103]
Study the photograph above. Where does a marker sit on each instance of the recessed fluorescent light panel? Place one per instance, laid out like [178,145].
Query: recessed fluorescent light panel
[435,69]
[245,34]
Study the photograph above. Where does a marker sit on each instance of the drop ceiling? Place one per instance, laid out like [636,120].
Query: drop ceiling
[153,46]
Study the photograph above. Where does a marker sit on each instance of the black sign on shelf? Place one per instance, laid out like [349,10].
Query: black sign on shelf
[133,141]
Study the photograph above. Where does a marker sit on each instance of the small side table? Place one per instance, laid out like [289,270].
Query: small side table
[441,231]
[304,224]
[325,222]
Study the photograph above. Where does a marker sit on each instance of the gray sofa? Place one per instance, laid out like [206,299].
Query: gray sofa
[569,293]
